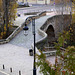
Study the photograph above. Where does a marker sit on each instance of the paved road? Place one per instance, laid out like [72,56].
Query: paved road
[56,8]
[35,9]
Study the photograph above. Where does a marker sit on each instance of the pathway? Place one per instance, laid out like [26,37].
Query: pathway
[26,41]
[15,54]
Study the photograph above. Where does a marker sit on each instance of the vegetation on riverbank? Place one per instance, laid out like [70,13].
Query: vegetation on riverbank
[7,16]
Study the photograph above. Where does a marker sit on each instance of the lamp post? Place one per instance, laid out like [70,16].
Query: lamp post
[33,31]
[45,2]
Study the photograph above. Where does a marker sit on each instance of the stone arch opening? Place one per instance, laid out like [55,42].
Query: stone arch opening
[51,35]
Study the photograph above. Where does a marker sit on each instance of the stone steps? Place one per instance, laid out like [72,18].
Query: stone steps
[50,53]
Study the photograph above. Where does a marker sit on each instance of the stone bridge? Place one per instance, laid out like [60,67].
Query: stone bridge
[48,28]
[52,27]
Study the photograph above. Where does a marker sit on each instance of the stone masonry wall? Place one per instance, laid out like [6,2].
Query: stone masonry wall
[57,22]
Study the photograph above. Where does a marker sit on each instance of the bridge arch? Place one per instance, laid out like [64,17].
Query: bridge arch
[51,34]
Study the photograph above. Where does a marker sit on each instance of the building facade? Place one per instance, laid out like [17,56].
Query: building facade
[37,1]
[43,1]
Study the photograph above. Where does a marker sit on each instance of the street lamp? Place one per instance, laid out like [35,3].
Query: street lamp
[25,30]
[33,31]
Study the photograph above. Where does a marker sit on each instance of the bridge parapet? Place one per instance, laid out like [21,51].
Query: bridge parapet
[58,25]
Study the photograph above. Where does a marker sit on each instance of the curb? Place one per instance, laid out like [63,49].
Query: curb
[3,73]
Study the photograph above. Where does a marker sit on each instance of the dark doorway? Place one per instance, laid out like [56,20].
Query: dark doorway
[51,35]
